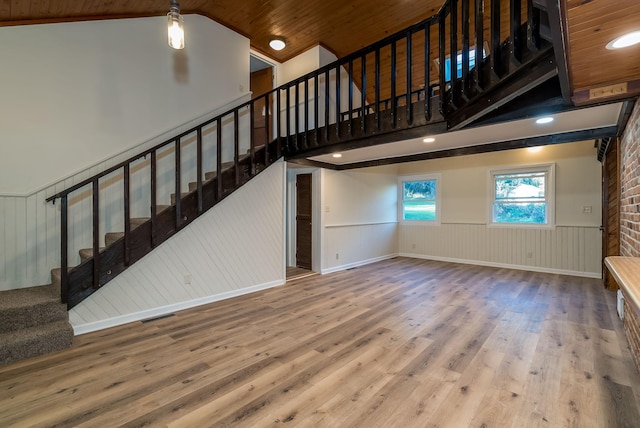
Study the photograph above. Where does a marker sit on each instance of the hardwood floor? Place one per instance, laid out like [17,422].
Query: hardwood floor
[399,343]
[297,273]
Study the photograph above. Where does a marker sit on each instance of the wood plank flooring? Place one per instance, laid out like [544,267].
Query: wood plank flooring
[399,343]
[294,272]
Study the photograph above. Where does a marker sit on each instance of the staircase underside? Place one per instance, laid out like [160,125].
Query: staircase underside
[146,234]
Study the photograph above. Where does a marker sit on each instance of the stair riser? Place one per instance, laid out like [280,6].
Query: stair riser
[110,238]
[30,345]
[14,319]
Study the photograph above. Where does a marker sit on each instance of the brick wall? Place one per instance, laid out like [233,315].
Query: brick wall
[630,186]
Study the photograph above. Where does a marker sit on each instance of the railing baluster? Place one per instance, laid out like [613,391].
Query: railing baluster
[288,118]
[338,101]
[441,66]
[479,23]
[252,131]
[64,249]
[326,105]
[533,27]
[219,187]
[267,127]
[409,80]
[316,104]
[394,119]
[453,63]
[465,49]
[427,71]
[178,187]
[306,113]
[236,148]
[199,169]
[96,233]
[515,39]
[363,93]
[296,121]
[495,38]
[279,119]
[377,71]
[154,198]
[350,77]
[127,214]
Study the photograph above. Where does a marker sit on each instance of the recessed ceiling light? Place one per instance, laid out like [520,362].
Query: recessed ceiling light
[277,43]
[534,149]
[337,155]
[624,41]
[543,120]
[429,140]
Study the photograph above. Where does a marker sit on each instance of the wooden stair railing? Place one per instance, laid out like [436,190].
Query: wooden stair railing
[496,45]
[432,72]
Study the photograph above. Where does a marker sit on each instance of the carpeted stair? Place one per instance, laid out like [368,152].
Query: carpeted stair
[32,322]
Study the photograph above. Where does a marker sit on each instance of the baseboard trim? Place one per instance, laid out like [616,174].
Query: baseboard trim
[596,275]
[164,310]
[356,264]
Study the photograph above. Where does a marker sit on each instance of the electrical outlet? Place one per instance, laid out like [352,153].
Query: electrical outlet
[586,209]
[337,256]
[413,246]
[187,278]
[327,208]
[529,255]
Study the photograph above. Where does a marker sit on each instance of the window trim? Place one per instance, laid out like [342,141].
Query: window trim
[421,177]
[550,195]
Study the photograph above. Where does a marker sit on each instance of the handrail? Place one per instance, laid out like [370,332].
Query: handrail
[335,112]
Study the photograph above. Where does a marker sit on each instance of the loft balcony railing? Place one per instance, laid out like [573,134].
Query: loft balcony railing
[420,75]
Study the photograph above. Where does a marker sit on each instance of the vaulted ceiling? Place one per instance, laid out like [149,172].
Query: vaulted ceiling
[345,26]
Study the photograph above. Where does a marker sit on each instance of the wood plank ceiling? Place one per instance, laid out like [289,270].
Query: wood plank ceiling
[345,26]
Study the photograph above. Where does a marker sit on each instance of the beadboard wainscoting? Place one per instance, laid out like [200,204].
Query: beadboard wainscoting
[350,245]
[571,250]
[235,248]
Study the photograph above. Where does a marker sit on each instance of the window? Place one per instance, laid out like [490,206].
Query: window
[420,197]
[523,196]
[472,62]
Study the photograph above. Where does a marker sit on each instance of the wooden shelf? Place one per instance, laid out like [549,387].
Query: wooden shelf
[626,271]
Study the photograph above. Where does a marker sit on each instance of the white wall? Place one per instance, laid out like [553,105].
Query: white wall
[354,216]
[235,248]
[573,246]
[84,94]
[359,216]
[75,94]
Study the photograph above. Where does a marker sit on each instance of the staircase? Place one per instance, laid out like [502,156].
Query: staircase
[397,88]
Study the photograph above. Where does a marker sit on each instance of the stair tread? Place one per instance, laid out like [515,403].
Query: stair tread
[24,297]
[89,250]
[193,185]
[137,221]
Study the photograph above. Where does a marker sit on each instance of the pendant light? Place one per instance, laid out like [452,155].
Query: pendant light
[175,26]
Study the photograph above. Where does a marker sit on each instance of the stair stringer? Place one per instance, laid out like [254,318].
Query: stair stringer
[234,248]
